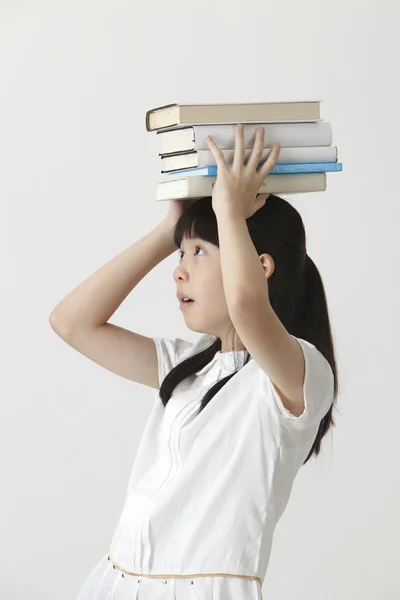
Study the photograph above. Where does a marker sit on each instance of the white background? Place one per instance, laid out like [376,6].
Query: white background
[78,175]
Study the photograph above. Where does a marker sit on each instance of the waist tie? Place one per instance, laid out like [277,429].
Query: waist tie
[179,576]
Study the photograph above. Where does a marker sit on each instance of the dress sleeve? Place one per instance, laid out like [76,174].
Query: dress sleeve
[318,389]
[170,352]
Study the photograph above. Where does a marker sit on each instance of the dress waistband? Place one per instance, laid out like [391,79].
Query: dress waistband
[179,576]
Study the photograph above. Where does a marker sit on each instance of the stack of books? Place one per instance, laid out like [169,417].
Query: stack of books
[306,150]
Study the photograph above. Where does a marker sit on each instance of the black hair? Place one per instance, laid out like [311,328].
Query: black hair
[295,287]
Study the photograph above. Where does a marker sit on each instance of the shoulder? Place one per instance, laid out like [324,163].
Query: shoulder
[318,389]
[172,351]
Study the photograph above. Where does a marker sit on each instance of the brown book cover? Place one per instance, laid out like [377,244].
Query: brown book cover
[172,115]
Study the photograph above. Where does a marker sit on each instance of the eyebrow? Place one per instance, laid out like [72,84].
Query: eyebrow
[194,241]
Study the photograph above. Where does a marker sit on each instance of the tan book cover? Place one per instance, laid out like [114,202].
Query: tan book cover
[171,115]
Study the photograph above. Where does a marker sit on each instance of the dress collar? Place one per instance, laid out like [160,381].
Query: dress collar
[227,361]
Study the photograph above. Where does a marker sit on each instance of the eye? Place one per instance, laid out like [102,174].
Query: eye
[180,252]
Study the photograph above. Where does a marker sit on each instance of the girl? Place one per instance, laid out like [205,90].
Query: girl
[237,412]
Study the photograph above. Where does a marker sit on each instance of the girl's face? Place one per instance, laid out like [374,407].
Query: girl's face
[199,276]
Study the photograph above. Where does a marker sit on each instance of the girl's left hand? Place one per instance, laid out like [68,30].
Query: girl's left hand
[236,187]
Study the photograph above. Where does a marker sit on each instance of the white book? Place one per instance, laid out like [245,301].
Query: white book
[289,135]
[197,187]
[205,158]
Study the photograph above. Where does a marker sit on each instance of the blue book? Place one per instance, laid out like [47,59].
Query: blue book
[278,169]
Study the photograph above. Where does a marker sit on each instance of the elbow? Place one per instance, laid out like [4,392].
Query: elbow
[58,324]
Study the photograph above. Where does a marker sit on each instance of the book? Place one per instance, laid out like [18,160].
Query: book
[289,135]
[197,187]
[204,158]
[293,168]
[171,115]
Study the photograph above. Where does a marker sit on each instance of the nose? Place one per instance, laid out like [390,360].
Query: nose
[180,273]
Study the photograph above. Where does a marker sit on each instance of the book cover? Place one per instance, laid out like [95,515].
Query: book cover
[171,115]
[282,168]
[205,158]
[197,187]
[289,135]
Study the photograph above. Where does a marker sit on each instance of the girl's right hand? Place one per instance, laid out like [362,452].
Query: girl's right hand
[175,209]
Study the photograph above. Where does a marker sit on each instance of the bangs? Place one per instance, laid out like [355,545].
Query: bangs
[198,221]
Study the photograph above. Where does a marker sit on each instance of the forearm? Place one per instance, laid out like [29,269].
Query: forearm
[96,299]
[242,272]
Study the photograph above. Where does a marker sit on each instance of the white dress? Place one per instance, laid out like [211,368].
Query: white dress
[207,489]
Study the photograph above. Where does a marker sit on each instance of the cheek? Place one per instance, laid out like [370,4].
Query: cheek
[216,283]
[216,293]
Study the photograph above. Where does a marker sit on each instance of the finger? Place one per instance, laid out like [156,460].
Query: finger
[257,151]
[217,153]
[238,157]
[261,198]
[270,163]
[259,202]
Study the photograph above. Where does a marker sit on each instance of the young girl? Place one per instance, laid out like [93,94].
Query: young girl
[236,413]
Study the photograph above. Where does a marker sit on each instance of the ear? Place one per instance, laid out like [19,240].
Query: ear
[268,264]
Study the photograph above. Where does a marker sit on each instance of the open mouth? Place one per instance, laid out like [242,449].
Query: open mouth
[185,304]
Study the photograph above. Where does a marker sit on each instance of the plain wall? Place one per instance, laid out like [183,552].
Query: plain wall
[78,178]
